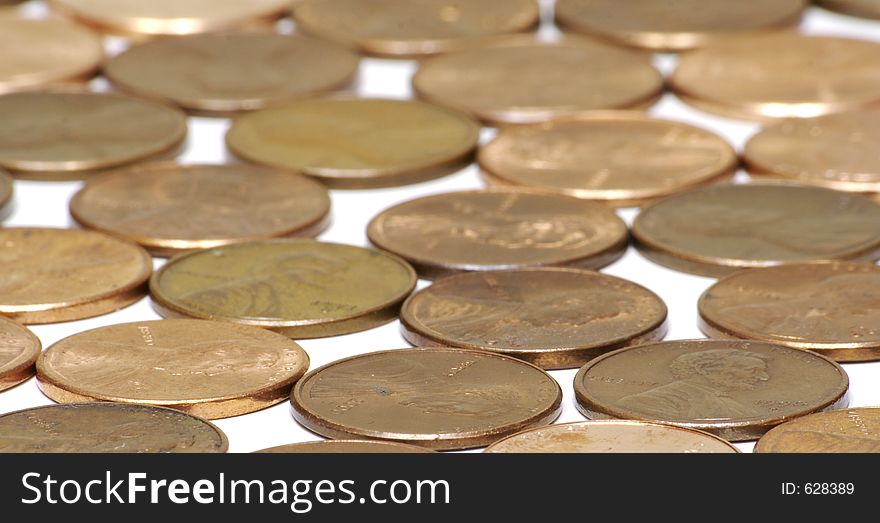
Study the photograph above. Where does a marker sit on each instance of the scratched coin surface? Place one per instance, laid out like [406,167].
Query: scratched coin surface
[499,229]
[341,446]
[737,390]
[107,428]
[836,431]
[53,275]
[717,230]
[208,369]
[302,288]
[862,8]
[19,349]
[442,398]
[552,318]
[526,81]
[169,208]
[619,158]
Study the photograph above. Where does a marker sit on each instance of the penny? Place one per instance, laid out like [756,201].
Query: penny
[618,158]
[836,431]
[19,349]
[107,428]
[357,143]
[552,318]
[229,72]
[718,230]
[862,8]
[54,275]
[737,390]
[6,189]
[169,208]
[407,28]
[301,288]
[527,81]
[442,399]
[346,447]
[499,229]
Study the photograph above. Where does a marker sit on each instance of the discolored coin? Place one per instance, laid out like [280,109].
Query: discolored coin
[552,318]
[499,229]
[107,428]
[19,349]
[619,158]
[347,447]
[442,399]
[718,230]
[862,8]
[737,390]
[53,275]
[836,431]
[169,208]
[527,81]
[357,143]
[301,288]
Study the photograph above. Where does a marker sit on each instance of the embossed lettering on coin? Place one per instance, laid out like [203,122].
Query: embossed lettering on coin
[836,431]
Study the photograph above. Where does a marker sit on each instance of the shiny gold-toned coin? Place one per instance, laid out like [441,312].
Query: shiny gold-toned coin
[341,446]
[552,318]
[442,399]
[620,158]
[169,208]
[301,288]
[861,8]
[527,81]
[53,275]
[19,349]
[107,428]
[836,431]
[357,143]
[717,230]
[499,229]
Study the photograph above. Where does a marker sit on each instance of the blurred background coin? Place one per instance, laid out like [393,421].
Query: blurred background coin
[341,446]
[849,430]
[19,349]
[862,8]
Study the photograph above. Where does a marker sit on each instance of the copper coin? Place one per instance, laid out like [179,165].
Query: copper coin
[107,428]
[408,28]
[552,318]
[527,81]
[737,390]
[19,349]
[169,208]
[862,8]
[620,158]
[53,275]
[340,446]
[499,229]
[442,399]
[7,187]
[229,72]
[357,143]
[836,431]
[718,230]
[301,288]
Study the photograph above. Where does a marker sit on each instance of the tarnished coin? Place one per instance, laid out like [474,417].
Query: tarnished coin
[619,158]
[527,81]
[442,399]
[552,318]
[499,229]
[862,8]
[737,390]
[612,436]
[718,230]
[107,428]
[836,431]
[169,208]
[19,349]
[357,143]
[341,446]
[229,72]
[53,275]
[301,288]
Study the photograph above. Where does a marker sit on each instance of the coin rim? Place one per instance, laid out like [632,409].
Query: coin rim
[760,448]
[410,449]
[13,376]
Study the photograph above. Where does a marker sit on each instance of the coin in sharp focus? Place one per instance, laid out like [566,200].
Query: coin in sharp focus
[442,398]
[836,431]
[620,158]
[526,81]
[861,8]
[107,428]
[357,143]
[552,318]
[340,446]
[170,208]
[301,288]
[19,349]
[737,390]
[717,230]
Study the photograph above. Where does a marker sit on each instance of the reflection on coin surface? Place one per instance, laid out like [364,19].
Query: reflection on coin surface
[232,71]
[552,318]
[341,446]
[19,349]
[863,8]
[734,389]
[499,229]
[107,428]
[525,81]
[357,143]
[443,399]
[52,275]
[718,230]
[836,431]
[301,288]
[616,157]
[169,208]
